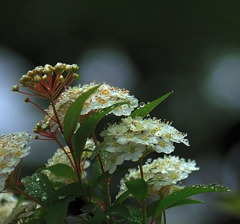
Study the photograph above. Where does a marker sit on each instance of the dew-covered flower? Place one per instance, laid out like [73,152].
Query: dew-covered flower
[104,96]
[61,157]
[161,172]
[7,203]
[13,147]
[131,138]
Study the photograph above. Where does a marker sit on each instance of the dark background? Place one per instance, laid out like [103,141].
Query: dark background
[151,48]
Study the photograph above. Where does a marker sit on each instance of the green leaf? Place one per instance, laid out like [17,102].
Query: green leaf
[118,209]
[135,216]
[86,128]
[122,197]
[38,186]
[62,170]
[187,201]
[38,217]
[97,182]
[177,196]
[145,110]
[73,113]
[57,211]
[138,188]
[72,189]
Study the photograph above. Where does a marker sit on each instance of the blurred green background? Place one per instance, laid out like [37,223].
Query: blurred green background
[150,48]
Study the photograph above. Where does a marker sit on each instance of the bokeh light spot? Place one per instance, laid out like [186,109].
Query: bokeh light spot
[222,87]
[108,64]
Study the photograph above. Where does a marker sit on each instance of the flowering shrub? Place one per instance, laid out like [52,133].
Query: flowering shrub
[75,185]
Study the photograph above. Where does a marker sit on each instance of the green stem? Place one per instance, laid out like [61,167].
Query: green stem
[164,217]
[56,116]
[20,191]
[144,212]
[140,167]
[143,205]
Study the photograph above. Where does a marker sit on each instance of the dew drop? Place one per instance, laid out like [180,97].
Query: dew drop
[142,104]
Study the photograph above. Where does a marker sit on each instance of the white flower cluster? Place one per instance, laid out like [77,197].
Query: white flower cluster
[104,96]
[161,172]
[61,157]
[7,203]
[10,214]
[131,138]
[13,147]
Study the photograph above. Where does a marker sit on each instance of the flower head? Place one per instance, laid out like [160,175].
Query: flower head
[13,147]
[104,96]
[161,172]
[65,157]
[131,138]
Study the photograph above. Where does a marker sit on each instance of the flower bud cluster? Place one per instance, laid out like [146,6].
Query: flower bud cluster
[104,96]
[13,147]
[161,172]
[132,138]
[41,73]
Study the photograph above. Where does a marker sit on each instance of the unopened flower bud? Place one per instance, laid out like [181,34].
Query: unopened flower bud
[15,88]
[37,128]
[68,68]
[25,80]
[39,69]
[75,76]
[30,73]
[75,67]
[44,77]
[61,79]
[26,100]
[59,67]
[47,69]
[37,79]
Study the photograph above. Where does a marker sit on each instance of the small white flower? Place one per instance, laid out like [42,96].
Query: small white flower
[161,172]
[104,96]
[7,203]
[132,137]
[112,162]
[13,147]
[61,157]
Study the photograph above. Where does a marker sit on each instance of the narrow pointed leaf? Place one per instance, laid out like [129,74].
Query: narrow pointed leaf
[57,211]
[146,109]
[62,170]
[187,201]
[118,209]
[106,175]
[38,186]
[86,128]
[73,113]
[138,188]
[72,189]
[122,197]
[186,192]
